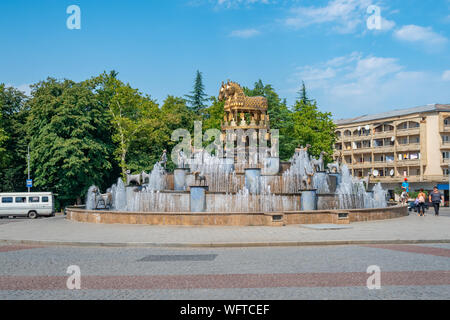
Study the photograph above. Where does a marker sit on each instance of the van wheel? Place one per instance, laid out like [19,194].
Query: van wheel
[32,214]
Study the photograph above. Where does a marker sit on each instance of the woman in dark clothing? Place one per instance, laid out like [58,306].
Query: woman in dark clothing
[436,198]
[422,196]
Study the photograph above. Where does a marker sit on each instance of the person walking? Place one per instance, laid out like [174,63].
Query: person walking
[436,198]
[404,198]
[405,189]
[422,196]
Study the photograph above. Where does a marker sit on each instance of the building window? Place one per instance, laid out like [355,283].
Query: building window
[414,140]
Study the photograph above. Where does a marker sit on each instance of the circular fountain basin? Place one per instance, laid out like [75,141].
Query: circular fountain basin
[236,218]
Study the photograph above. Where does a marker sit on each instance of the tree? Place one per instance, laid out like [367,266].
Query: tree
[303,95]
[314,127]
[280,117]
[70,146]
[135,122]
[13,139]
[214,115]
[198,97]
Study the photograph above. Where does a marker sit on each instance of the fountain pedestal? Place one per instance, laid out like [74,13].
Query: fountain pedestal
[197,199]
[271,166]
[321,182]
[335,180]
[179,179]
[308,200]
[253,180]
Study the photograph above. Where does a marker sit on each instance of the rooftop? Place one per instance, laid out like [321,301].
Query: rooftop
[395,113]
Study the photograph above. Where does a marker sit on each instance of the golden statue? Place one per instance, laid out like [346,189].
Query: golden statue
[238,107]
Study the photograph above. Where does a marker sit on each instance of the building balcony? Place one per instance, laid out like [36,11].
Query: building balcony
[362,165]
[409,147]
[362,150]
[445,128]
[361,137]
[395,179]
[445,145]
[408,132]
[347,151]
[384,134]
[383,164]
[408,163]
[384,149]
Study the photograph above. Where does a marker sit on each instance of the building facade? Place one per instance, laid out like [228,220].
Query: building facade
[389,147]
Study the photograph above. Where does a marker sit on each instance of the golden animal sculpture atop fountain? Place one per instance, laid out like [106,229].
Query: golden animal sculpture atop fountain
[241,111]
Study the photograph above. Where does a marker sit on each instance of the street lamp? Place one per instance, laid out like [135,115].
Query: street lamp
[28,159]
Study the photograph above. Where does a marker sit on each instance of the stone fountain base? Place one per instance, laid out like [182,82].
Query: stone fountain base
[236,219]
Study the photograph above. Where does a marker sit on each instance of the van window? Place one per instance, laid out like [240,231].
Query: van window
[7,200]
[34,199]
[21,199]
[44,199]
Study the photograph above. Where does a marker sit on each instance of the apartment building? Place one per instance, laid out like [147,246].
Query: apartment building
[389,147]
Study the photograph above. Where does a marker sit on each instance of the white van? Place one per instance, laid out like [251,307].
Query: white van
[26,204]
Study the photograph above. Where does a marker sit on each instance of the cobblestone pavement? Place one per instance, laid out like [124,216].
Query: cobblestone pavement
[319,272]
[60,230]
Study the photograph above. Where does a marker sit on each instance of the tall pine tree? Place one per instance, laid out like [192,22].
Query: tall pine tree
[197,98]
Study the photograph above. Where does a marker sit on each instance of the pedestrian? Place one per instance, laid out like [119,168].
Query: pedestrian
[405,185]
[404,197]
[436,198]
[422,196]
[416,205]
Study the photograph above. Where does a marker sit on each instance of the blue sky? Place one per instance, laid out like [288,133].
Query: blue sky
[158,45]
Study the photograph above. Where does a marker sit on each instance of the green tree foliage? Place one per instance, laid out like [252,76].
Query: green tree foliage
[198,98]
[70,148]
[280,117]
[303,96]
[88,133]
[214,114]
[311,126]
[135,122]
[13,139]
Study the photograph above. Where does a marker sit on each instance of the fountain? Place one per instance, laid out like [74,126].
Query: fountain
[255,190]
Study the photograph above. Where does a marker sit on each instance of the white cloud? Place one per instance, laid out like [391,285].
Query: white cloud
[355,84]
[245,33]
[346,15]
[446,75]
[422,35]
[386,24]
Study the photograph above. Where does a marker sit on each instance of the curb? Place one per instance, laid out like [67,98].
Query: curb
[218,244]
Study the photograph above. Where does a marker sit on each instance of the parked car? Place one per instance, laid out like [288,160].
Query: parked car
[29,205]
[412,206]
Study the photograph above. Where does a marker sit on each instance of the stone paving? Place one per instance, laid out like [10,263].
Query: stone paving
[318,272]
[58,230]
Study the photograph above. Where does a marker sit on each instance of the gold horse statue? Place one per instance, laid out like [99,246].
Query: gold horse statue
[235,99]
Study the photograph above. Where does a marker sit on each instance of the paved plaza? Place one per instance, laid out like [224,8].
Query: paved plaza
[330,272]
[295,262]
[58,230]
